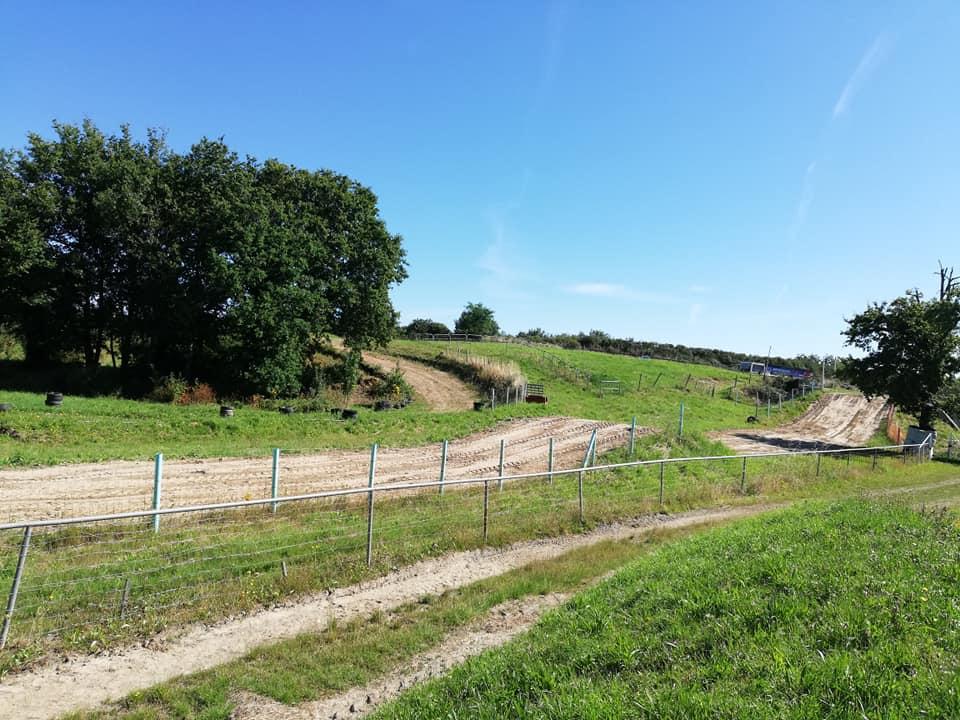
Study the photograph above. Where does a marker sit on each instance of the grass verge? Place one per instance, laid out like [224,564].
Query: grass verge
[846,610]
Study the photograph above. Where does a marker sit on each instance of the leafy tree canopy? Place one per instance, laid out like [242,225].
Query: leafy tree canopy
[911,348]
[201,264]
[477,319]
[424,326]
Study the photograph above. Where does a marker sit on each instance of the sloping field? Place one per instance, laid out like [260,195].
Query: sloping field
[96,488]
[51,690]
[440,390]
[832,421]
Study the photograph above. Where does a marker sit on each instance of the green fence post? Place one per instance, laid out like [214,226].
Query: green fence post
[157,482]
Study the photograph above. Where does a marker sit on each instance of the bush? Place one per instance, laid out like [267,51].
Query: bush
[168,389]
[197,394]
[393,387]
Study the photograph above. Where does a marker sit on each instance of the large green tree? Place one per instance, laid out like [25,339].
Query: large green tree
[477,319]
[202,264]
[911,348]
[425,326]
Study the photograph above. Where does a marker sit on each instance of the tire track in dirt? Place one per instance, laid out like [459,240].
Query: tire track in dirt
[440,390]
[56,688]
[833,421]
[123,486]
[500,625]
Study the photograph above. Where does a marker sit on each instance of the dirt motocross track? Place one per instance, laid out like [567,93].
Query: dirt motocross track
[440,390]
[122,486]
[833,421]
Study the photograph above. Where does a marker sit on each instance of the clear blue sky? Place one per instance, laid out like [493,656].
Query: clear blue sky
[738,177]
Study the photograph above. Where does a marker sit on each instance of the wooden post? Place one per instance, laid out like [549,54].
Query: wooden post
[633,435]
[743,477]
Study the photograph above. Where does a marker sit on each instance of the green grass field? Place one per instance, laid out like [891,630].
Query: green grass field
[104,428]
[829,611]
[216,565]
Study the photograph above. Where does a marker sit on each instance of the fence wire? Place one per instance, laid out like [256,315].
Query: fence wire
[87,584]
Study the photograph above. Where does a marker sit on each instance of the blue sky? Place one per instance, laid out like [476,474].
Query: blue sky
[737,177]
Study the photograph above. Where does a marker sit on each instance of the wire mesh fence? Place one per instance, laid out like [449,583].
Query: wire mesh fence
[89,583]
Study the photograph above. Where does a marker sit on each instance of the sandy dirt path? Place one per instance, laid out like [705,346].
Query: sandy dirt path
[503,623]
[122,486]
[54,689]
[833,421]
[440,390]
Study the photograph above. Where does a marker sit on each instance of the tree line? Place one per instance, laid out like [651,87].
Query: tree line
[200,264]
[599,341]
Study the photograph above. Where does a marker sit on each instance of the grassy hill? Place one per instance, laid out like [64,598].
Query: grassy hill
[93,429]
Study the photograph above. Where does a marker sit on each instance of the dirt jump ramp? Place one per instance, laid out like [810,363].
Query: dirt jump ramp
[833,421]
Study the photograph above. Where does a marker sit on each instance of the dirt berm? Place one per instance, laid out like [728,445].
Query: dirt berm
[833,421]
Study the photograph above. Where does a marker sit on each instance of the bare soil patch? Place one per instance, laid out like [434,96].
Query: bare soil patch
[833,421]
[122,486]
[54,689]
[440,390]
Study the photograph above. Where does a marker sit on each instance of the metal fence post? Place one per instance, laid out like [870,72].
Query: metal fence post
[503,445]
[443,464]
[157,482]
[550,461]
[768,406]
[680,434]
[493,398]
[743,477]
[580,494]
[661,484]
[486,508]
[373,474]
[15,588]
[275,479]
[633,435]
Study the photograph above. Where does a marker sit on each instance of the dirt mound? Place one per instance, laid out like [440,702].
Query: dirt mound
[833,421]
[440,390]
[123,486]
